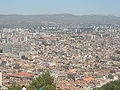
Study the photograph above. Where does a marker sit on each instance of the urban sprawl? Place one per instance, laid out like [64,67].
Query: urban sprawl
[78,57]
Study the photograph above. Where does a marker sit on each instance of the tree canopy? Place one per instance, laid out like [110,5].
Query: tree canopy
[113,85]
[44,81]
[14,86]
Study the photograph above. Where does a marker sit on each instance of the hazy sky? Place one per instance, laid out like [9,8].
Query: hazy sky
[77,7]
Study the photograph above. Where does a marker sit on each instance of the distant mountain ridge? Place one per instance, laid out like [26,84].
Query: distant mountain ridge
[58,18]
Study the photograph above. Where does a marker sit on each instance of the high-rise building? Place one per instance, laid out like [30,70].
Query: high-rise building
[0,78]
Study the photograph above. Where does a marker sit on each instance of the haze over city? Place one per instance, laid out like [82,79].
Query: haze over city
[76,7]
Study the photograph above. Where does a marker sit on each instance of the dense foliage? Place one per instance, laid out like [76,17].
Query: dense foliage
[113,85]
[117,51]
[44,81]
[14,86]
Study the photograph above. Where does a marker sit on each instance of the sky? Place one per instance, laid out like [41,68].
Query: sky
[76,7]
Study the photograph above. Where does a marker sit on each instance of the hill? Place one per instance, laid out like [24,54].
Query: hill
[57,19]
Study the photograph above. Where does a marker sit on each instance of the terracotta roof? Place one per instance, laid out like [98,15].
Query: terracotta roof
[88,79]
[23,74]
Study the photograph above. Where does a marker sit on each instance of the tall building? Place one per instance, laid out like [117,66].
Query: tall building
[0,78]
[1,37]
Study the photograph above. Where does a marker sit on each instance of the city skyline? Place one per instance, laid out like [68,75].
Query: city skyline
[76,7]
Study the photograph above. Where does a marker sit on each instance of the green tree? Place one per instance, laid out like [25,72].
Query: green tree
[44,81]
[14,86]
[31,88]
[48,87]
[113,85]
[117,51]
